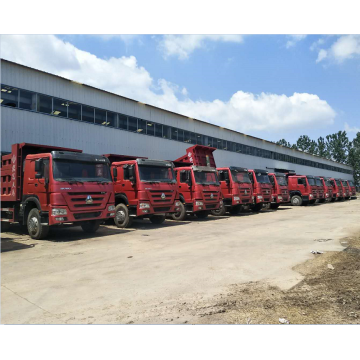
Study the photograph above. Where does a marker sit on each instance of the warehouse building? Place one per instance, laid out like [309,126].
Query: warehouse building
[42,108]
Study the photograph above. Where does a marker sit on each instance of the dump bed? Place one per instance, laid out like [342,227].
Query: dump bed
[12,167]
[197,155]
[118,158]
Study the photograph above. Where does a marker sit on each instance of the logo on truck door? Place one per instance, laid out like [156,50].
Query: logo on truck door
[89,200]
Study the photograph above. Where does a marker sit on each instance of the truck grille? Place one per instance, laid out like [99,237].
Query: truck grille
[87,215]
[77,200]
[208,198]
[155,196]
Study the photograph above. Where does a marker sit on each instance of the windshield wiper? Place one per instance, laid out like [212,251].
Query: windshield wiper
[75,182]
[151,181]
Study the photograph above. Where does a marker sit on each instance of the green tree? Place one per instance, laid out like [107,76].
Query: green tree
[338,145]
[304,143]
[322,147]
[283,142]
[354,157]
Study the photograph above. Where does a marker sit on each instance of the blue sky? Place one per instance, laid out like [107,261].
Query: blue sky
[189,74]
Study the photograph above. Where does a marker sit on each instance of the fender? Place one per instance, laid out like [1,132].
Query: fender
[181,198]
[34,199]
[295,192]
[121,198]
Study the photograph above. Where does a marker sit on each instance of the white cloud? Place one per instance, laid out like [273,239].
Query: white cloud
[294,39]
[244,111]
[350,129]
[183,45]
[345,47]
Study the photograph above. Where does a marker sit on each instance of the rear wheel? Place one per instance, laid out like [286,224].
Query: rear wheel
[35,229]
[296,200]
[180,215]
[5,226]
[202,214]
[157,219]
[274,206]
[220,211]
[91,226]
[122,218]
[257,207]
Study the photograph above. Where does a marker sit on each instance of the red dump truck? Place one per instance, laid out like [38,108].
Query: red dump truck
[337,189]
[199,188]
[262,189]
[320,189]
[144,188]
[346,189]
[352,189]
[328,187]
[236,189]
[280,190]
[45,186]
[300,189]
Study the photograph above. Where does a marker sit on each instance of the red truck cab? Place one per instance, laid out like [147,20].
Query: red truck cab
[346,189]
[199,187]
[45,186]
[301,192]
[320,189]
[328,188]
[262,188]
[143,188]
[236,189]
[337,190]
[352,189]
[280,190]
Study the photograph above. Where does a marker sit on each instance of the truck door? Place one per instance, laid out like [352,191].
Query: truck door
[185,185]
[301,185]
[127,187]
[272,180]
[225,183]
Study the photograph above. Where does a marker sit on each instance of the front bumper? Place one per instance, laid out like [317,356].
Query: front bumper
[156,210]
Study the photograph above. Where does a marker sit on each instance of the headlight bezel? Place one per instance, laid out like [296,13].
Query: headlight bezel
[199,203]
[236,198]
[111,208]
[58,211]
[144,205]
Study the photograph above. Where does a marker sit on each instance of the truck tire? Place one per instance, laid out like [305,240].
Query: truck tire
[257,207]
[219,212]
[122,218]
[202,214]
[91,226]
[181,215]
[5,226]
[274,206]
[235,210]
[35,229]
[157,219]
[296,200]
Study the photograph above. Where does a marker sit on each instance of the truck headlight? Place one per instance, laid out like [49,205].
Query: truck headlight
[199,203]
[111,207]
[177,203]
[144,205]
[236,198]
[280,197]
[311,195]
[338,194]
[56,212]
[259,197]
[221,202]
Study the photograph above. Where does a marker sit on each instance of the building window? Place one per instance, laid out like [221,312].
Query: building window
[74,111]
[193,138]
[87,114]
[166,132]
[44,104]
[141,126]
[27,100]
[180,135]
[123,122]
[60,107]
[199,139]
[209,141]
[150,128]
[174,134]
[158,130]
[110,119]
[100,117]
[187,138]
[132,123]
[9,96]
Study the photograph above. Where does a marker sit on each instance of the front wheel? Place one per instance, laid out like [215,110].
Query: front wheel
[202,214]
[274,206]
[257,207]
[91,227]
[296,200]
[122,218]
[220,211]
[35,229]
[180,215]
[157,219]
[235,210]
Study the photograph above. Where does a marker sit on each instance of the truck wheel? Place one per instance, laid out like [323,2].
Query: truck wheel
[35,229]
[219,212]
[122,218]
[274,206]
[257,207]
[157,219]
[5,226]
[181,215]
[296,200]
[235,210]
[202,214]
[91,226]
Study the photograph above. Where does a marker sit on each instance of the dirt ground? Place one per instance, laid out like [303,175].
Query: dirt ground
[247,269]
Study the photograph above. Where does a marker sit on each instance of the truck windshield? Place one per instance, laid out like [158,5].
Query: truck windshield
[311,181]
[240,177]
[344,183]
[78,171]
[262,178]
[338,182]
[318,182]
[328,183]
[206,177]
[281,180]
[156,174]
[351,183]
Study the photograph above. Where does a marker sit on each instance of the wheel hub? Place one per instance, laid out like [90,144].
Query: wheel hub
[33,225]
[120,216]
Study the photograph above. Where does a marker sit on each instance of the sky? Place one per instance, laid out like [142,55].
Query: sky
[268,86]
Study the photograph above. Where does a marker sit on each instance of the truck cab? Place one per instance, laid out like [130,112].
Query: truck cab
[144,188]
[313,186]
[328,188]
[320,189]
[199,187]
[337,190]
[346,189]
[280,190]
[236,189]
[301,192]
[262,188]
[352,189]
[46,186]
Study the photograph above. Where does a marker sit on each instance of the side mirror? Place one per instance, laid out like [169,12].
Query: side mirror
[39,167]
[115,173]
[132,176]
